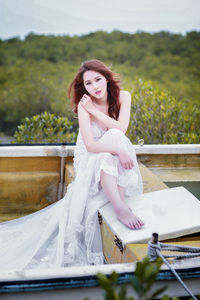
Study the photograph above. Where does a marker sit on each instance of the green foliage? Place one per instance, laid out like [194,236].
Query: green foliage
[142,282]
[32,89]
[144,278]
[35,73]
[157,117]
[107,285]
[45,128]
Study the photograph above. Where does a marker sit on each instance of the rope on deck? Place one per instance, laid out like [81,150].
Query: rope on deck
[154,248]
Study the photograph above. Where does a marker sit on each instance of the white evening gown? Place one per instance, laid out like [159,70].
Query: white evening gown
[67,232]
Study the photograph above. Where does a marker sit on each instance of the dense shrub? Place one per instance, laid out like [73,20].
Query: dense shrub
[141,282]
[156,117]
[159,118]
[45,128]
[35,72]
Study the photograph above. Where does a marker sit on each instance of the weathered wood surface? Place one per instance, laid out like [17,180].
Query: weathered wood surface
[139,251]
[151,182]
[27,184]
[168,160]
[69,171]
[177,174]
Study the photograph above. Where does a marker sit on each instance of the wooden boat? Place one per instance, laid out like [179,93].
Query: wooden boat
[32,177]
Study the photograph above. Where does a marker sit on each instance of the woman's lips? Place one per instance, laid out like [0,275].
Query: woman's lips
[98,92]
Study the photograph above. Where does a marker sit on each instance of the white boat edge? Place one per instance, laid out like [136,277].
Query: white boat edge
[66,272]
[84,271]
[68,150]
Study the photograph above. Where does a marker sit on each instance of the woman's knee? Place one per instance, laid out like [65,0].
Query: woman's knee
[112,135]
[115,132]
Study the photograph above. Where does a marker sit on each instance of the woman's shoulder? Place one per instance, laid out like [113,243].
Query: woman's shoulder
[124,96]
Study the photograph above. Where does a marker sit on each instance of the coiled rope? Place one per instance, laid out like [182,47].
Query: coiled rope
[154,248]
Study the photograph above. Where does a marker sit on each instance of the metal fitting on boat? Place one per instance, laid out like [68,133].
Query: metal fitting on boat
[153,246]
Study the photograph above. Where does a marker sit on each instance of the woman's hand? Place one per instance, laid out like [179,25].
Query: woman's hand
[125,159]
[86,102]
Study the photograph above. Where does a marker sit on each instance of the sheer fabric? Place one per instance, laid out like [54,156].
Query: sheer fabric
[67,232]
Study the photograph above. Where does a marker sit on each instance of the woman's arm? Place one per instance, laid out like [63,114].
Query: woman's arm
[124,114]
[86,133]
[93,146]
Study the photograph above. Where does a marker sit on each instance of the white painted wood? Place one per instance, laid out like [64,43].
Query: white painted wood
[94,293]
[75,272]
[25,151]
[168,149]
[171,213]
[20,151]
[90,270]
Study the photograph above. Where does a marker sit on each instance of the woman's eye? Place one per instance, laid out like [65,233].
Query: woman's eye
[98,79]
[88,83]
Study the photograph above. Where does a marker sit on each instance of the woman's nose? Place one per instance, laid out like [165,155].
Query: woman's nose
[95,85]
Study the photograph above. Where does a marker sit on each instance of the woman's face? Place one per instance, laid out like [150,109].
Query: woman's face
[95,84]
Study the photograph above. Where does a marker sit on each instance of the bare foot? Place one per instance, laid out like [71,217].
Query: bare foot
[121,192]
[127,217]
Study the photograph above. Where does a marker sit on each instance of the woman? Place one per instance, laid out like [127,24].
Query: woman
[103,104]
[67,232]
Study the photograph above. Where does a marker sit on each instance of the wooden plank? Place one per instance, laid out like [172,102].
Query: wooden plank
[111,252]
[25,192]
[69,170]
[8,217]
[26,164]
[150,181]
[177,174]
[170,160]
[139,251]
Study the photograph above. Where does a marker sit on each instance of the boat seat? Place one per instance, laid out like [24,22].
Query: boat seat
[170,212]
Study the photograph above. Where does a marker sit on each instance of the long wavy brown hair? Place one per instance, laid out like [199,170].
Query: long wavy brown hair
[77,90]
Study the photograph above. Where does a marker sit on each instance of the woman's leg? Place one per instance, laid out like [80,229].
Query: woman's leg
[114,194]
[121,192]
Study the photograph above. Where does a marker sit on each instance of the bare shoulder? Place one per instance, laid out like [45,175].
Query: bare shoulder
[124,96]
[80,109]
[82,113]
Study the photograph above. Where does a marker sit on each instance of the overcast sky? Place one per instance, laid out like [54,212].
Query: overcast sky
[19,17]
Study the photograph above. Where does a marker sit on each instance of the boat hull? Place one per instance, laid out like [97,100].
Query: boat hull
[78,283]
[41,174]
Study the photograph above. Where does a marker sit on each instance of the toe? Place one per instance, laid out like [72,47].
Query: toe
[139,226]
[141,223]
[132,226]
[135,225]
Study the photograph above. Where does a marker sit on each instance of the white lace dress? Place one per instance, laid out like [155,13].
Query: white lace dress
[67,232]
